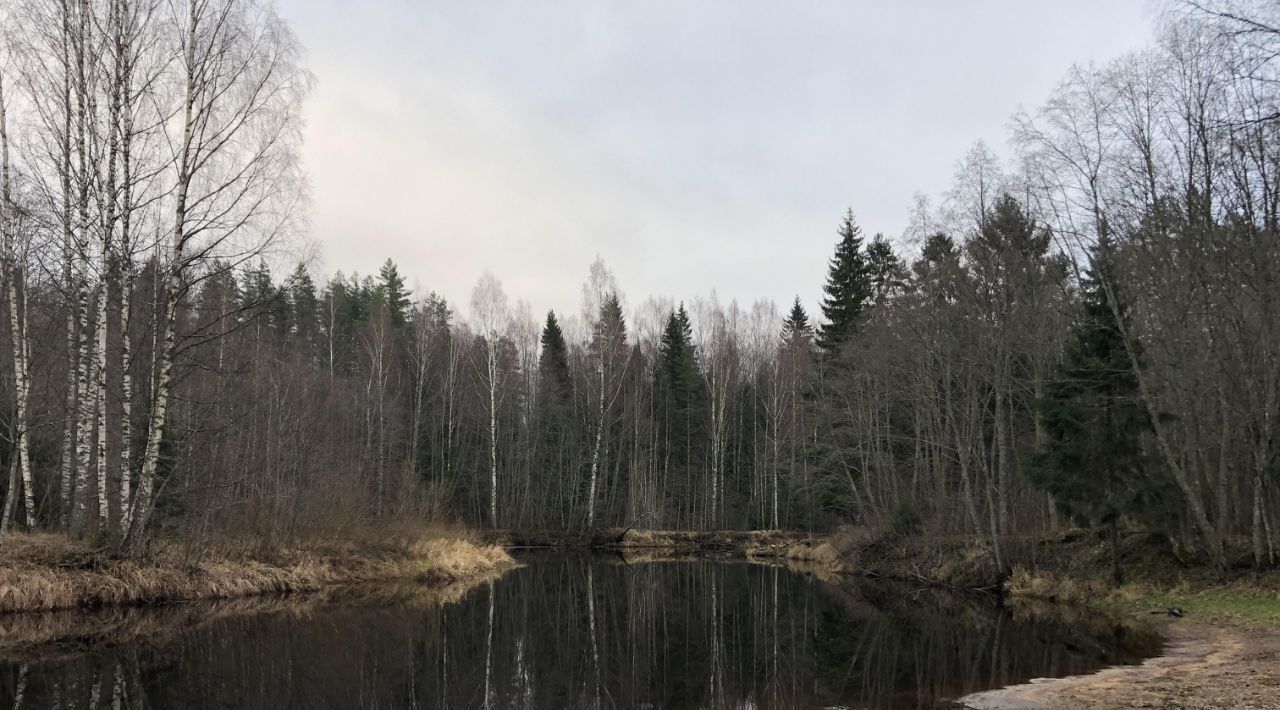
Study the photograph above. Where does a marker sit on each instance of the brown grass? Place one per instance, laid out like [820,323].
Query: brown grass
[837,553]
[50,635]
[1043,586]
[42,572]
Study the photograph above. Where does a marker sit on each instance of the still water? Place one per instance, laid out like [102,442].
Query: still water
[562,632]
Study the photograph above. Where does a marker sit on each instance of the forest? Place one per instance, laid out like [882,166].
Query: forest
[1083,331]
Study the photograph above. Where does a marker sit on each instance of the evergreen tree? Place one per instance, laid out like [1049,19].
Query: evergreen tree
[938,248]
[219,299]
[360,291]
[1010,251]
[938,273]
[394,294]
[261,300]
[680,418]
[679,363]
[1093,461]
[553,363]
[256,288]
[796,327]
[338,324]
[303,304]
[848,289]
[439,316]
[609,335]
[888,275]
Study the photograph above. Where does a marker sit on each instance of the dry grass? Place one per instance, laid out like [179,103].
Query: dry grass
[45,636]
[838,553]
[41,572]
[1043,586]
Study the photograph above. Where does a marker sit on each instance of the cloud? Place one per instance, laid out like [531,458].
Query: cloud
[695,146]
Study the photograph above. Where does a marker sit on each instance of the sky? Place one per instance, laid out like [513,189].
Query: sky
[694,146]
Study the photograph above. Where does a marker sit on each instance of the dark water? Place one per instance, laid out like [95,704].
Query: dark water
[566,633]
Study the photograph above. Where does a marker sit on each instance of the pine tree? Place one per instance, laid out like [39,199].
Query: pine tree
[1093,461]
[848,288]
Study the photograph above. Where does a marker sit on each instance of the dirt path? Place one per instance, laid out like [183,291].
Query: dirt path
[1202,667]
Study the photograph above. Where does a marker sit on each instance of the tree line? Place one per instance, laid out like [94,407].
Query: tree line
[1083,332]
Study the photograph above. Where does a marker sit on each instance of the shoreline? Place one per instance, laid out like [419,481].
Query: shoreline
[48,635]
[1202,666]
[1224,654]
[48,573]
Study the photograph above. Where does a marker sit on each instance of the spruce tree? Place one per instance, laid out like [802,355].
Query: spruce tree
[938,273]
[679,413]
[261,301]
[609,335]
[888,274]
[219,296]
[303,304]
[796,326]
[553,363]
[1093,461]
[394,294]
[848,288]
[678,360]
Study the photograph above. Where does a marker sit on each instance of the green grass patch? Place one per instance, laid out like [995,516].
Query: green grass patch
[1242,605]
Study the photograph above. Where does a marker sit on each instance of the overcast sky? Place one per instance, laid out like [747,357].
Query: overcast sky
[693,145]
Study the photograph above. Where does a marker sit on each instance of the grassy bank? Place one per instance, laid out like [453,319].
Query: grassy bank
[1074,568]
[1246,602]
[42,572]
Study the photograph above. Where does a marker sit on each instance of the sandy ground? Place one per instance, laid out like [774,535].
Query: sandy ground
[1202,667]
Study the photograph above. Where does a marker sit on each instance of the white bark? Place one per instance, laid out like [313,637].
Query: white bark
[489,306]
[595,450]
[140,511]
[233,166]
[85,409]
[492,366]
[17,316]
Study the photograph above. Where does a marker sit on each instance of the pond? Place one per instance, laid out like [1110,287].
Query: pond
[562,632]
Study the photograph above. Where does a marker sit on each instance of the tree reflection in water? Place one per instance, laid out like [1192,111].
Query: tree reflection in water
[585,633]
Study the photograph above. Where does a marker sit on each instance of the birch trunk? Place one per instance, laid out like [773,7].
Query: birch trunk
[108,265]
[595,453]
[492,366]
[140,511]
[85,410]
[126,361]
[67,466]
[17,317]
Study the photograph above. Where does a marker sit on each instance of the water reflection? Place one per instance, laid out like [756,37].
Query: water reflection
[580,633]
